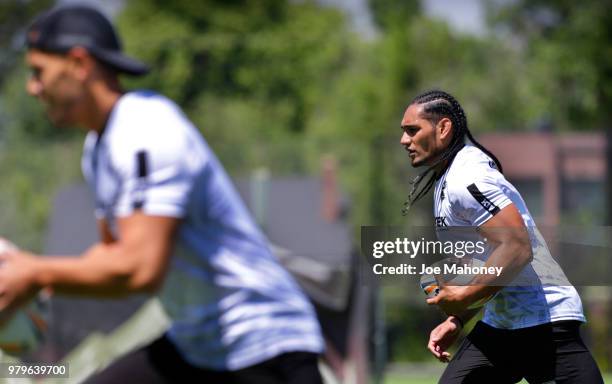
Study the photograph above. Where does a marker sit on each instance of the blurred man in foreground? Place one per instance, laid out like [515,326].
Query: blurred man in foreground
[169,219]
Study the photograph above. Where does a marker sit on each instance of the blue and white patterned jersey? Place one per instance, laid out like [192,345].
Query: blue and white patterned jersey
[471,192]
[230,302]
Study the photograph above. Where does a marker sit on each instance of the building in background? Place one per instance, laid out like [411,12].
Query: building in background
[561,177]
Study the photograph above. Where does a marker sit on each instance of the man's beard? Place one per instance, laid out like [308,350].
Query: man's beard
[430,160]
[59,112]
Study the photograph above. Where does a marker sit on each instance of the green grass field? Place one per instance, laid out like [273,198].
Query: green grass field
[399,380]
[396,379]
[150,321]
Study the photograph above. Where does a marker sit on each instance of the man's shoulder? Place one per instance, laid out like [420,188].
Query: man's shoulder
[471,165]
[471,162]
[144,105]
[471,158]
[147,121]
[145,116]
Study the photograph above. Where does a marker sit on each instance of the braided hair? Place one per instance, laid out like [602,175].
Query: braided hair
[436,106]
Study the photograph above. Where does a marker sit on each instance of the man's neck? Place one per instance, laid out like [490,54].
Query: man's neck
[443,165]
[440,168]
[104,96]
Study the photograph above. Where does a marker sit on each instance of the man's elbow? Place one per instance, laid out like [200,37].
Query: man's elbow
[149,282]
[526,252]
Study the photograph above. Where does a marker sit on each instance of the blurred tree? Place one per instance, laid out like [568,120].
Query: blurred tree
[249,73]
[567,45]
[14,17]
[392,13]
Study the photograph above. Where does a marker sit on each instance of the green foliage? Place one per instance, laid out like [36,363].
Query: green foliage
[31,175]
[566,46]
[249,76]
[389,13]
[14,16]
[18,114]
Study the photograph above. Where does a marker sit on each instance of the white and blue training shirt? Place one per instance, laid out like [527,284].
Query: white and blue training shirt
[230,302]
[471,192]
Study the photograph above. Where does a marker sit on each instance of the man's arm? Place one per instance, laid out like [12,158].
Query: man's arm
[445,334]
[507,231]
[106,235]
[513,252]
[136,262]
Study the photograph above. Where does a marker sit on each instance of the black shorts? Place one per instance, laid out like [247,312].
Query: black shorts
[160,362]
[548,353]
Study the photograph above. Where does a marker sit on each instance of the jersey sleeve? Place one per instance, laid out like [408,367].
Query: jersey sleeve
[156,171]
[478,198]
[87,170]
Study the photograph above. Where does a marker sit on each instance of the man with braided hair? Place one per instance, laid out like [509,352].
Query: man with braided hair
[529,330]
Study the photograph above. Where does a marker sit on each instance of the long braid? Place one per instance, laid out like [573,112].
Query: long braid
[440,104]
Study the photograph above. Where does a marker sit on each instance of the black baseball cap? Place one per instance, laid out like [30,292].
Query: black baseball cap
[60,29]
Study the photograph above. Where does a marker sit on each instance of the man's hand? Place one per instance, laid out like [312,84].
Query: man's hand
[442,337]
[507,232]
[451,299]
[17,280]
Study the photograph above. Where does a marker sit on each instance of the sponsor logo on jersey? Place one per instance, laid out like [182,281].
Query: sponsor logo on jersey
[482,199]
[440,221]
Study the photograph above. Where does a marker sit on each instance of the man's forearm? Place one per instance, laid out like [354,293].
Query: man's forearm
[101,271]
[512,257]
[465,316]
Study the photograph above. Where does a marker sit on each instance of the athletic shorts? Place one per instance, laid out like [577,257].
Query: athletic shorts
[160,362]
[548,353]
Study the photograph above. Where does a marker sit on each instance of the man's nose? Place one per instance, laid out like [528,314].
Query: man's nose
[405,140]
[34,87]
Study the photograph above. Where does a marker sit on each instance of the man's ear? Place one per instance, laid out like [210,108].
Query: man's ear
[445,127]
[82,63]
